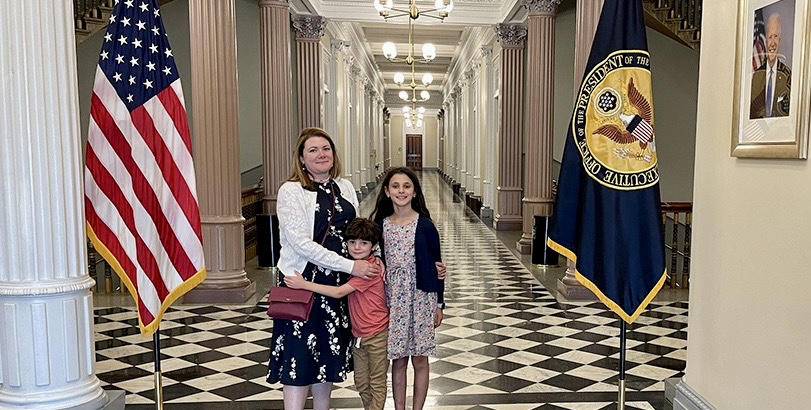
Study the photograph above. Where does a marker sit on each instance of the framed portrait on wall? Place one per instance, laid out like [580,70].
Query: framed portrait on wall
[772,96]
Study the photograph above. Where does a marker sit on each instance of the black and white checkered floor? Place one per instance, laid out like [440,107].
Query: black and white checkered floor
[505,343]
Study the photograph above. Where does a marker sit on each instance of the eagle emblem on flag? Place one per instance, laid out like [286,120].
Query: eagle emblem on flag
[637,124]
[613,122]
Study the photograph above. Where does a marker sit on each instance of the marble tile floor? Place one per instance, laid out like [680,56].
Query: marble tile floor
[506,342]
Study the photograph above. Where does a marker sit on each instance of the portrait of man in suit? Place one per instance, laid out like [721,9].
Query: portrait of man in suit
[771,82]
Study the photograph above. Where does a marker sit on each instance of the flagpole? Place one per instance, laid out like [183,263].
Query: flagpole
[621,399]
[158,385]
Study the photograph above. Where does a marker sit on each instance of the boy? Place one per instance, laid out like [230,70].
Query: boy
[367,310]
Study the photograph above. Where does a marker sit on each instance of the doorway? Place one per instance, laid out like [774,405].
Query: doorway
[414,151]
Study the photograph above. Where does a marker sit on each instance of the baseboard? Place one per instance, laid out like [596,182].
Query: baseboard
[687,398]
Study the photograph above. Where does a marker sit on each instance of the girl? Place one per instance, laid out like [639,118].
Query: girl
[410,246]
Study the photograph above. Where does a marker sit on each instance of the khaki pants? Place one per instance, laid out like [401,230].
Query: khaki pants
[371,366]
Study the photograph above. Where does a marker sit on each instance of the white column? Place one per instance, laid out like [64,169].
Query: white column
[47,357]
[449,134]
[458,136]
[478,122]
[354,129]
[486,126]
[332,103]
[464,128]
[470,135]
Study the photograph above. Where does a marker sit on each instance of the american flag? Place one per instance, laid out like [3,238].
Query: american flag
[759,45]
[140,194]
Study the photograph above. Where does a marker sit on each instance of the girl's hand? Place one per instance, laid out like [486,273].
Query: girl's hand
[438,317]
[365,270]
[441,270]
[294,281]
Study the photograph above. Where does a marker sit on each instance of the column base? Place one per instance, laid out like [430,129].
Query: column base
[574,291]
[238,294]
[370,186]
[115,400]
[508,223]
[487,215]
[524,245]
[688,399]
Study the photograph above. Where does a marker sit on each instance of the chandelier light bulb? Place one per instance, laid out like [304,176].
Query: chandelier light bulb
[409,124]
[406,109]
[420,116]
[403,95]
[383,6]
[428,51]
[389,50]
[427,79]
[421,110]
[419,123]
[399,78]
[444,6]
[425,95]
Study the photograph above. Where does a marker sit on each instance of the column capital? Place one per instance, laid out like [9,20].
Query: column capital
[511,35]
[309,27]
[543,6]
[354,70]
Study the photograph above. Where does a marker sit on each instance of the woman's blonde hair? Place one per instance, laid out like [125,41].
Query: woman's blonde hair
[300,174]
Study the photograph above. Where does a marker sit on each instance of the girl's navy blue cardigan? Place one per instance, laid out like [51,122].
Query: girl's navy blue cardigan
[427,252]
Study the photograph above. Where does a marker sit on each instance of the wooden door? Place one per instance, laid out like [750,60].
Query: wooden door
[414,151]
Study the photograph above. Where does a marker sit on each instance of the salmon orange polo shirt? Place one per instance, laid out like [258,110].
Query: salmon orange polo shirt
[367,304]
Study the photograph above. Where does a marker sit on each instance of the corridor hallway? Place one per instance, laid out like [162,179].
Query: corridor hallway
[505,343]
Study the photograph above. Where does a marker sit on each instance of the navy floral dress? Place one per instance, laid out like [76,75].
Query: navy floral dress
[318,350]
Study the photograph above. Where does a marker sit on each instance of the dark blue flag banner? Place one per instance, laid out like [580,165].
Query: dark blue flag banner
[607,216]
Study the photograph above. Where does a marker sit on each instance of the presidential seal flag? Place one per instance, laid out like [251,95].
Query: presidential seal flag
[607,215]
[140,195]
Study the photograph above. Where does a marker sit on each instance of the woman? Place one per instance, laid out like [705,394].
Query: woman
[314,206]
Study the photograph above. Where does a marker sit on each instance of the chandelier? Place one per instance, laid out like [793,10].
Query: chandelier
[428,50]
[427,79]
[442,8]
[413,115]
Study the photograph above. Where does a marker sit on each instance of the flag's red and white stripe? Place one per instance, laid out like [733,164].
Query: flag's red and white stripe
[643,131]
[140,196]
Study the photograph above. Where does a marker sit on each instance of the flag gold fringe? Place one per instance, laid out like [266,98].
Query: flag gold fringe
[149,328]
[629,318]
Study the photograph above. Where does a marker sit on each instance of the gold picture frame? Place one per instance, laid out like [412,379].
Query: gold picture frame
[772,98]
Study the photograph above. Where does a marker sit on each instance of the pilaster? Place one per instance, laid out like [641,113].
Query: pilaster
[47,357]
[277,96]
[440,135]
[212,29]
[309,30]
[513,38]
[540,101]
[489,124]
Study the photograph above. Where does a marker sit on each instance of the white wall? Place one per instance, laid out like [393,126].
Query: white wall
[749,333]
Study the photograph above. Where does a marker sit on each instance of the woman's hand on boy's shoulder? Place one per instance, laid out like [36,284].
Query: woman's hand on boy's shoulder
[365,270]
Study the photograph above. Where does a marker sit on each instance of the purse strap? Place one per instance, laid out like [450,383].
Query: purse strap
[331,215]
